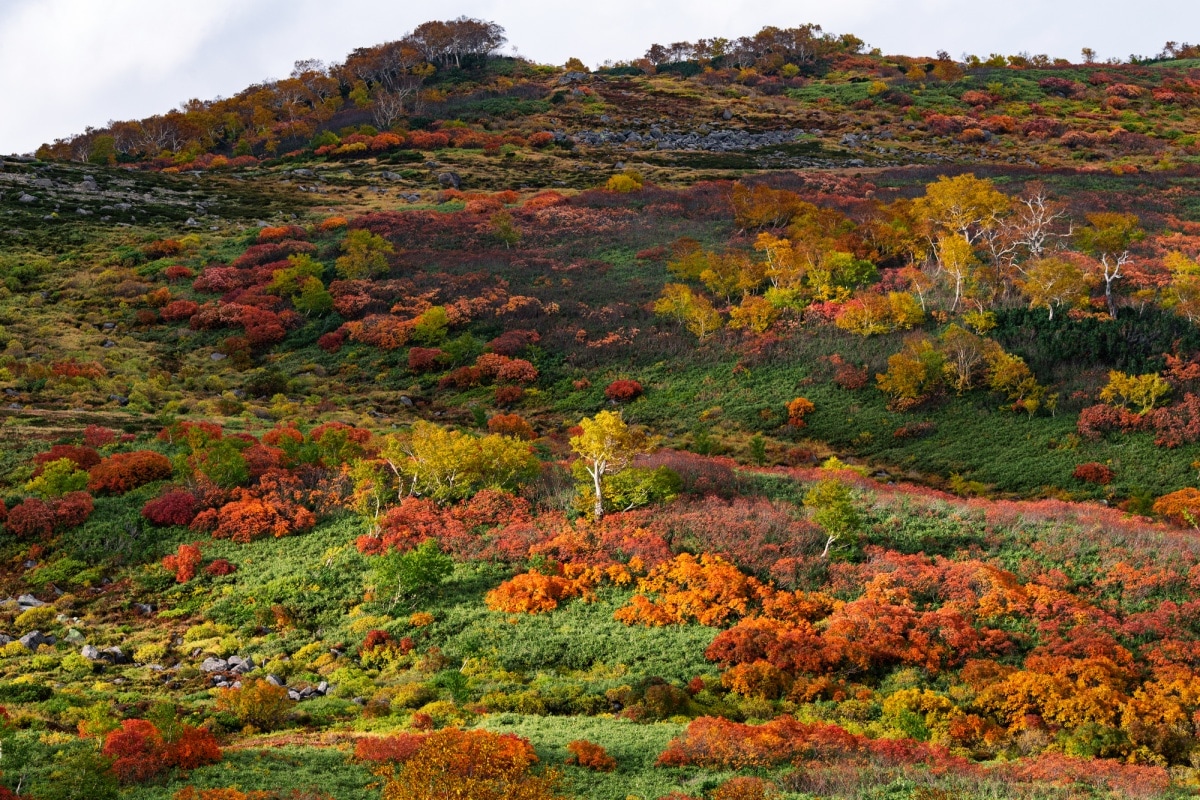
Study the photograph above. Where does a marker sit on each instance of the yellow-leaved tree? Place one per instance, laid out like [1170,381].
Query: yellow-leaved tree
[606,445]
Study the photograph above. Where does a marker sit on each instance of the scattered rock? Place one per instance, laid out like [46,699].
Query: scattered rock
[90,652]
[35,639]
[212,664]
[275,680]
[294,695]
[217,356]
[451,180]
[26,198]
[29,601]
[727,114]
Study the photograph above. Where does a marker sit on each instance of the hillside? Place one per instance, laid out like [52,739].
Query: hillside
[762,418]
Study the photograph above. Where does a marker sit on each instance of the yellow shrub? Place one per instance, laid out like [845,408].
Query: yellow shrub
[36,618]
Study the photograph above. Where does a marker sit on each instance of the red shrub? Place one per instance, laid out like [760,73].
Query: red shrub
[512,342]
[98,436]
[507,396]
[623,391]
[331,342]
[1094,472]
[83,457]
[177,273]
[220,567]
[461,378]
[424,359]
[424,140]
[178,310]
[394,749]
[122,472]
[1043,128]
[134,748]
[591,756]
[72,510]
[177,507]
[31,518]
[140,752]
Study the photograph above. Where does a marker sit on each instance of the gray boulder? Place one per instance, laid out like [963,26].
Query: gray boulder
[35,639]
[211,664]
[450,180]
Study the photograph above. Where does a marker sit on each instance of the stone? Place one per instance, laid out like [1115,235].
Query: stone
[35,639]
[73,636]
[90,652]
[451,180]
[211,664]
[294,695]
[217,356]
[5,638]
[26,198]
[144,609]
[114,655]
[275,680]
[323,687]
[29,601]
[727,114]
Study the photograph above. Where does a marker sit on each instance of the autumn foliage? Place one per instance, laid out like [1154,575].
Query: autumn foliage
[140,752]
[122,472]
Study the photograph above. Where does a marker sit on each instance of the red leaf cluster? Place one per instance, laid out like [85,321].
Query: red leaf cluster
[140,752]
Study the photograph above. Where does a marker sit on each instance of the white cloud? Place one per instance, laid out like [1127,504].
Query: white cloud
[67,64]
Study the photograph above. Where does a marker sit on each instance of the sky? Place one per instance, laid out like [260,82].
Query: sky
[69,64]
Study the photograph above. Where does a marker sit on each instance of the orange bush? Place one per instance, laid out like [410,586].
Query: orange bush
[250,517]
[591,756]
[797,410]
[513,425]
[708,590]
[533,593]
[184,562]
[1181,507]
[122,472]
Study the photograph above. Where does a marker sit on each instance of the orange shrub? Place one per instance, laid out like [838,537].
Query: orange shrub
[251,517]
[184,562]
[122,472]
[513,425]
[708,590]
[797,410]
[1181,507]
[591,756]
[533,593]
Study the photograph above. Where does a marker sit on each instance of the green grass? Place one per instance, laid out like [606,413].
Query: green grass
[634,746]
[283,769]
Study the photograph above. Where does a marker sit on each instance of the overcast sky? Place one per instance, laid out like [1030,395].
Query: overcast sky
[67,64]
